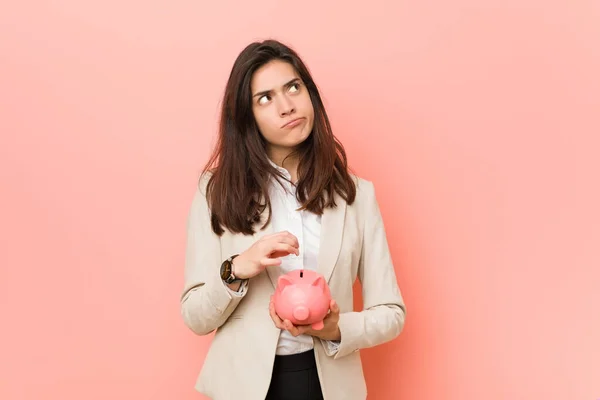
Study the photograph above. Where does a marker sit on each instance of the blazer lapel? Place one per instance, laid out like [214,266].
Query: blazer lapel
[332,229]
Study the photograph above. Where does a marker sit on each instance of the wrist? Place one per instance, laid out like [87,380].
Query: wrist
[235,286]
[333,335]
[238,266]
[336,335]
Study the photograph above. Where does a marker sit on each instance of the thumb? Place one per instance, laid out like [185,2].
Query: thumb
[334,307]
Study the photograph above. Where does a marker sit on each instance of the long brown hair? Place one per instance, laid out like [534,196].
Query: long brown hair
[237,190]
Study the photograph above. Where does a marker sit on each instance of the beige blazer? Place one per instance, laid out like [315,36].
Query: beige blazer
[239,362]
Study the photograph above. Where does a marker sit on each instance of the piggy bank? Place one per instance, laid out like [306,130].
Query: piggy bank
[303,297]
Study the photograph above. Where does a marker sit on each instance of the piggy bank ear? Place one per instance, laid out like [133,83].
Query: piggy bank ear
[284,281]
[319,282]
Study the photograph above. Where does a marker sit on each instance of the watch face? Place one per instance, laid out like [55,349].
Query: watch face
[225,270]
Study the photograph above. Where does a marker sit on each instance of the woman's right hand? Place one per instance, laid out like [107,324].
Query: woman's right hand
[264,253]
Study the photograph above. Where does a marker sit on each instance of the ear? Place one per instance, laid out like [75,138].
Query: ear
[284,281]
[319,282]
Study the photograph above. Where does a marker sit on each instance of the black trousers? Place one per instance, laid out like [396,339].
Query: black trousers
[295,377]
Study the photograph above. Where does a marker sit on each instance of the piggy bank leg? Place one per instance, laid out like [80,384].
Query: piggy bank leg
[317,326]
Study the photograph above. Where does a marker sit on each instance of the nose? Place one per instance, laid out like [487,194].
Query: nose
[286,107]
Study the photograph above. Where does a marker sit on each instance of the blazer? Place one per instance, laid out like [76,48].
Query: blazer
[239,362]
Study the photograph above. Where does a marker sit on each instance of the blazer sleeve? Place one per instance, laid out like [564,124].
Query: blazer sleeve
[206,302]
[384,311]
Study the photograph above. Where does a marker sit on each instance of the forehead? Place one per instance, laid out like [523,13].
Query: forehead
[272,75]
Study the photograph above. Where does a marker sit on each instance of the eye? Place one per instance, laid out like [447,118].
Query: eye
[264,99]
[295,87]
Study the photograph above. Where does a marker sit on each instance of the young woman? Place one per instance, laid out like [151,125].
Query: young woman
[276,196]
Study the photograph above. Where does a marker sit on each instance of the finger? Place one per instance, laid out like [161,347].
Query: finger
[276,320]
[287,239]
[282,237]
[305,330]
[284,248]
[272,313]
[278,254]
[279,234]
[291,328]
[334,307]
[275,317]
[287,235]
[274,235]
[270,262]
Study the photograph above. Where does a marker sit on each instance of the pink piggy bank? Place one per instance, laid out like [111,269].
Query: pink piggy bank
[303,297]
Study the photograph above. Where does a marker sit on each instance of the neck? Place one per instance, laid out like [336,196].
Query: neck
[290,163]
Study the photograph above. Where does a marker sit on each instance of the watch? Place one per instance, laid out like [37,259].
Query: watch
[227,273]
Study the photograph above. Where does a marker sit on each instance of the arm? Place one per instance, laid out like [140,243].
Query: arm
[206,301]
[382,318]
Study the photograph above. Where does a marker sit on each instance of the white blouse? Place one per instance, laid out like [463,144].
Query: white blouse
[306,226]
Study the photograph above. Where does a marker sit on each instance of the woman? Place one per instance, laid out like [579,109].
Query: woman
[275,196]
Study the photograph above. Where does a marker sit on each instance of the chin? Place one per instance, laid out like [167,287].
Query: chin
[292,141]
[302,137]
[297,143]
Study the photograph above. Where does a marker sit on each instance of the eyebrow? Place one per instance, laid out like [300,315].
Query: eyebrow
[264,92]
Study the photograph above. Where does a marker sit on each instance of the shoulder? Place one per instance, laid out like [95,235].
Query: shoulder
[199,198]
[364,187]
[366,205]
[365,192]
[202,183]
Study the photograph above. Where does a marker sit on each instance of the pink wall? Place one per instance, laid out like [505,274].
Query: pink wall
[477,121]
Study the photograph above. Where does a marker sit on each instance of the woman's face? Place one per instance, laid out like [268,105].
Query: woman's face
[282,107]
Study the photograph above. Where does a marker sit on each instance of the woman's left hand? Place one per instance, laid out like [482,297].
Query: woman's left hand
[331,330]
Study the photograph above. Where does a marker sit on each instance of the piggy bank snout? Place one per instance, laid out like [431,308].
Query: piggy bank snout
[301,313]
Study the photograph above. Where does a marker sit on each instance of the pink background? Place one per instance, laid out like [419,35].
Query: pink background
[478,122]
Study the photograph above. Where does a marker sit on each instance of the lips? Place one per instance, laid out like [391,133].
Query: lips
[293,123]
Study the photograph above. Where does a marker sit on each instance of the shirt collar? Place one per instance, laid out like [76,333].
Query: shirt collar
[285,184]
[284,171]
